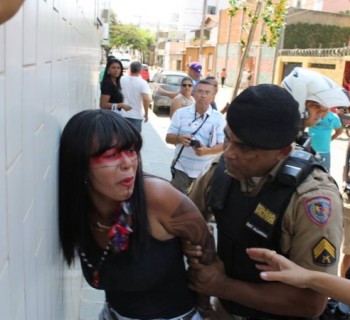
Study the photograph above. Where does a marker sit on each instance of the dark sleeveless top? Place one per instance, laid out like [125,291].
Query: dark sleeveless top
[110,89]
[147,285]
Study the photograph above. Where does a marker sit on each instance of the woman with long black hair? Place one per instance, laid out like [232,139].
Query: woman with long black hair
[111,94]
[126,226]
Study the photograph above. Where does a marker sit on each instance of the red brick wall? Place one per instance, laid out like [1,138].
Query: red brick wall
[236,24]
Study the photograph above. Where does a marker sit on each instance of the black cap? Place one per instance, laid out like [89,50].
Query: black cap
[265,116]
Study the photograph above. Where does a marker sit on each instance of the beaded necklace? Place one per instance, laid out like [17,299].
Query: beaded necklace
[118,235]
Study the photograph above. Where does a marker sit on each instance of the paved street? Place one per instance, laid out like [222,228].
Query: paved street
[157,156]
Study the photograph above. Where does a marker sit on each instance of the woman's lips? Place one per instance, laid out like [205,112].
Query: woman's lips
[128,182]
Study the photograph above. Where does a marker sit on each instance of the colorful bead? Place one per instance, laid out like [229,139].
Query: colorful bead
[118,237]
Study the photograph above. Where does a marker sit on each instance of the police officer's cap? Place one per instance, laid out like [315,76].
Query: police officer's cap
[265,116]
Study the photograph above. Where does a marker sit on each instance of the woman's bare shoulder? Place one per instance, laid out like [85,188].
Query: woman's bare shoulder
[161,193]
[156,186]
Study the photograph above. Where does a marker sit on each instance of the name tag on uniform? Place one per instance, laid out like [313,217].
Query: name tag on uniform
[262,221]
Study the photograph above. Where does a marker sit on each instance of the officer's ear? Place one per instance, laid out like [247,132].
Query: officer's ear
[284,152]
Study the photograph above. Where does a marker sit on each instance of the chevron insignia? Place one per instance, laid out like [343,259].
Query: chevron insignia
[324,253]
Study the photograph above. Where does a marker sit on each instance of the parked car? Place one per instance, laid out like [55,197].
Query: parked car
[145,72]
[168,80]
[125,62]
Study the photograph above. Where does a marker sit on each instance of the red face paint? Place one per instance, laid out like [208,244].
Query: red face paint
[113,157]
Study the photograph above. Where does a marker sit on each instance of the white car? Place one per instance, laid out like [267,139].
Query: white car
[125,62]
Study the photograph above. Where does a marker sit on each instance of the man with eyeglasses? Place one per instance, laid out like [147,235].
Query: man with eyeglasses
[266,192]
[197,131]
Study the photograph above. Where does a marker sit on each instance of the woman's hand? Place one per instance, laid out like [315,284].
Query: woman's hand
[276,267]
[191,251]
[124,106]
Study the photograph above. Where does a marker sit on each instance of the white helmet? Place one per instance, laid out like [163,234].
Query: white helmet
[305,84]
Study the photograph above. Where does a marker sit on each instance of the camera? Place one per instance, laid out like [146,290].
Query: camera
[195,143]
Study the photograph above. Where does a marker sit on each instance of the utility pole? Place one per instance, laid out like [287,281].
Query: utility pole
[204,12]
[246,50]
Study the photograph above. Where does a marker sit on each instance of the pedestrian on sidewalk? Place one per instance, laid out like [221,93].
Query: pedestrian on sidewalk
[198,133]
[323,133]
[126,226]
[223,75]
[194,71]
[111,95]
[136,94]
[215,83]
[184,98]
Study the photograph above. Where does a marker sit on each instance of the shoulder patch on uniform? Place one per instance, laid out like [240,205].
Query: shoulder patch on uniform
[324,253]
[318,209]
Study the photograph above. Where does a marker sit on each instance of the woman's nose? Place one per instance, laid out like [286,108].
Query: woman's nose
[125,161]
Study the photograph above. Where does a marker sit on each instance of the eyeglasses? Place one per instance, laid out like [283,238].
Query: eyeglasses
[187,85]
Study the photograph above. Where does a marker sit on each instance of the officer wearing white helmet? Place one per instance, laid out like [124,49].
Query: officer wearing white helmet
[315,93]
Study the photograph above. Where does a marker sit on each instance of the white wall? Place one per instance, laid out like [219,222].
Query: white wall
[49,56]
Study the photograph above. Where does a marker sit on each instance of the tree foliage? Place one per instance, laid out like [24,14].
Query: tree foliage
[130,36]
[306,35]
[272,16]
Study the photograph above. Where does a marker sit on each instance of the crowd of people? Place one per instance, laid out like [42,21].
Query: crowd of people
[255,172]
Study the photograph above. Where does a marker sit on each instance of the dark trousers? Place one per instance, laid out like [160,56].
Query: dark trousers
[222,81]
[181,181]
[137,123]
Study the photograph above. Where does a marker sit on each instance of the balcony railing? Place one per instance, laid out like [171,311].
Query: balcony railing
[331,52]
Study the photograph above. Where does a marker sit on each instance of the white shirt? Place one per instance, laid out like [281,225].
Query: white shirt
[185,121]
[132,89]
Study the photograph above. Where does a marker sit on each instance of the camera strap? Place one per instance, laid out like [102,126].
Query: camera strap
[182,147]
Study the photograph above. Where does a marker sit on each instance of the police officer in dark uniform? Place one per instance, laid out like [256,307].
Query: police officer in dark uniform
[265,191]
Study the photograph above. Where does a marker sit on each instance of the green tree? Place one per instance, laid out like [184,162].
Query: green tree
[132,37]
[270,13]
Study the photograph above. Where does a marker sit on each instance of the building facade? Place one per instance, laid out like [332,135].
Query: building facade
[49,62]
[333,62]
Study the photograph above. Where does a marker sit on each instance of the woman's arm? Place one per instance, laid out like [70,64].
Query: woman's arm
[169,94]
[179,217]
[175,104]
[278,268]
[104,101]
[105,104]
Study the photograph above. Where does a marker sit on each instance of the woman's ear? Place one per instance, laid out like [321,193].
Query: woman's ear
[8,8]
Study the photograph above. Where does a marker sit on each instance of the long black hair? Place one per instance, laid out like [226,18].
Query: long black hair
[106,76]
[84,132]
